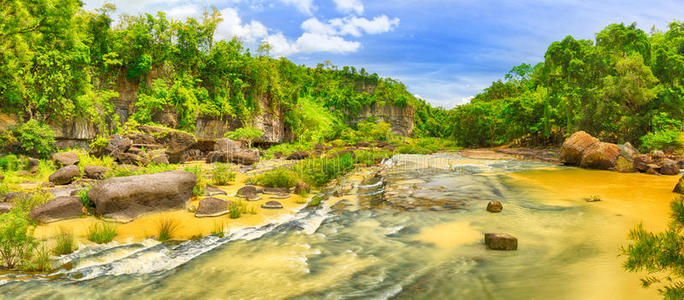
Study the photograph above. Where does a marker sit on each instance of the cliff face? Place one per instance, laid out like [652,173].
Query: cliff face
[401,118]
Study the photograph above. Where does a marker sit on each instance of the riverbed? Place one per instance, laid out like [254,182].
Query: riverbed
[415,232]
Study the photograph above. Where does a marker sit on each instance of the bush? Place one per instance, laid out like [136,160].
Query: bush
[27,203]
[40,262]
[35,138]
[9,162]
[87,202]
[86,159]
[236,209]
[65,243]
[278,177]
[99,144]
[4,189]
[320,171]
[167,227]
[198,190]
[289,148]
[222,174]
[663,139]
[247,134]
[101,233]
[16,239]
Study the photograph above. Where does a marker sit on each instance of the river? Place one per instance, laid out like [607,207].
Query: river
[360,247]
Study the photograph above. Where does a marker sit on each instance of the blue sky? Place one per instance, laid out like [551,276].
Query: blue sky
[444,51]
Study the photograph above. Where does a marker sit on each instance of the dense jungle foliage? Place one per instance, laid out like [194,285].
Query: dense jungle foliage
[60,63]
[624,86]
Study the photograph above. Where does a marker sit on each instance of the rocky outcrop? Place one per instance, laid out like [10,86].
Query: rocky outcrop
[501,241]
[600,156]
[95,172]
[60,208]
[65,158]
[573,148]
[400,117]
[125,198]
[244,157]
[65,175]
[76,133]
[211,207]
[494,206]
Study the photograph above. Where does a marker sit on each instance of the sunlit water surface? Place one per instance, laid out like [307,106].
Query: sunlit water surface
[366,248]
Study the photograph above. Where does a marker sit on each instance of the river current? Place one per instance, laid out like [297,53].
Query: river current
[422,240]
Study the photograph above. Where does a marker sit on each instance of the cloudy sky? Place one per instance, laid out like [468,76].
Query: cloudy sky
[445,51]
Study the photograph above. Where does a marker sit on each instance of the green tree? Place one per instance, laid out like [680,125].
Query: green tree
[247,134]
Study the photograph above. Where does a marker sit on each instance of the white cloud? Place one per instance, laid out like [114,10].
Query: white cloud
[355,25]
[182,12]
[348,6]
[305,6]
[232,26]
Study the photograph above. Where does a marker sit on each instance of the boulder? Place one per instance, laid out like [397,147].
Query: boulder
[301,188]
[128,158]
[298,155]
[159,157]
[5,207]
[211,190]
[65,158]
[125,198]
[573,148]
[177,142]
[669,167]
[275,190]
[657,155]
[57,209]
[363,144]
[249,192]
[272,205]
[679,188]
[227,145]
[501,241]
[95,172]
[211,207]
[641,162]
[624,165]
[244,157]
[628,151]
[494,206]
[65,175]
[600,156]
[117,144]
[653,169]
[132,168]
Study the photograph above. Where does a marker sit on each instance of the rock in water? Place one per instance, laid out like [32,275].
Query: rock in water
[95,172]
[624,165]
[211,207]
[65,175]
[125,198]
[600,156]
[679,188]
[574,147]
[272,205]
[494,206]
[669,167]
[641,162]
[65,158]
[57,209]
[501,241]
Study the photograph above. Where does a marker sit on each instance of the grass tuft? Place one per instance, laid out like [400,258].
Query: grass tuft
[167,228]
[65,243]
[222,174]
[101,233]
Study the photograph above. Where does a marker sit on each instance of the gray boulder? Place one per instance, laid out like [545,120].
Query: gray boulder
[5,207]
[65,175]
[95,172]
[228,145]
[299,155]
[125,198]
[211,207]
[65,158]
[494,206]
[669,167]
[60,208]
[501,241]
[117,144]
[272,205]
[243,158]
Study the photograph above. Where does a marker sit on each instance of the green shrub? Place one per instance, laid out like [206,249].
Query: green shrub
[278,177]
[16,239]
[198,190]
[86,159]
[369,158]
[661,140]
[320,171]
[9,162]
[221,174]
[35,138]
[218,229]
[39,262]
[98,144]
[64,243]
[87,202]
[28,202]
[101,233]
[247,134]
[166,229]
[4,189]
[236,209]
[289,148]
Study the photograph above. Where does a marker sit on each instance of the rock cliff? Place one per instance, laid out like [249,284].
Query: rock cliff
[401,118]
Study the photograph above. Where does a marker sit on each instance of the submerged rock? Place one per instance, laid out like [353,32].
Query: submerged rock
[60,208]
[125,198]
[65,158]
[95,172]
[501,241]
[65,175]
[211,207]
[494,206]
[272,205]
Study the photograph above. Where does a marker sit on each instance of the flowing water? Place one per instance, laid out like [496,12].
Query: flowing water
[413,233]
